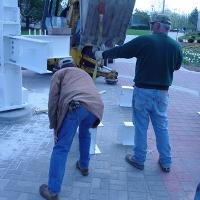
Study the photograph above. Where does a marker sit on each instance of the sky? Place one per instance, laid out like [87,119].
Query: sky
[179,6]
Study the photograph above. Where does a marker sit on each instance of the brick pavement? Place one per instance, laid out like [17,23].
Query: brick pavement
[25,149]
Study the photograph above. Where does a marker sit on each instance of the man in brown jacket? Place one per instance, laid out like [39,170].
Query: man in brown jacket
[73,102]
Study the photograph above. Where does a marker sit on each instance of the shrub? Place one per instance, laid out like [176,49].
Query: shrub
[190,40]
[193,37]
[140,27]
[180,39]
[198,41]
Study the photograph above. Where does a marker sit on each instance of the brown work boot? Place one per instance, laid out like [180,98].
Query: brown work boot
[45,193]
[83,171]
[130,159]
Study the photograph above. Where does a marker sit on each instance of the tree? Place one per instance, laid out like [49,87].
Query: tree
[140,19]
[179,21]
[193,19]
[31,11]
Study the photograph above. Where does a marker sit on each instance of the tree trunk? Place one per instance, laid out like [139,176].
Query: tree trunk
[27,22]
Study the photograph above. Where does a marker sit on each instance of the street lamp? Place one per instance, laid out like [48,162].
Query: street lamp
[152,8]
[163,10]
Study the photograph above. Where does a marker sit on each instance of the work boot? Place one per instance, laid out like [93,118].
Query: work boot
[163,168]
[84,171]
[45,193]
[130,159]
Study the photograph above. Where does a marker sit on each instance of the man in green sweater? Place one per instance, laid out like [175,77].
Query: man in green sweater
[158,56]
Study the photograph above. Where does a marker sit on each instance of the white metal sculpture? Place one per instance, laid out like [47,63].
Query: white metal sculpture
[126,133]
[11,93]
[18,51]
[126,96]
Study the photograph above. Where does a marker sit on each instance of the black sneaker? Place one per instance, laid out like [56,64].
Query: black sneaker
[45,193]
[129,158]
[164,169]
[83,171]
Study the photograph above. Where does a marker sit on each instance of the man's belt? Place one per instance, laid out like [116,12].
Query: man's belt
[73,105]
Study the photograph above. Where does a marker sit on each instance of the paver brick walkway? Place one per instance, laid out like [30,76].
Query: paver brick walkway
[25,148]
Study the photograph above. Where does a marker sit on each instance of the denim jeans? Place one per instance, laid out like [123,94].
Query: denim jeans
[151,104]
[79,117]
[197,194]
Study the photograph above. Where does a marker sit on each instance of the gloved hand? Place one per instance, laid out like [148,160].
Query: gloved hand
[98,55]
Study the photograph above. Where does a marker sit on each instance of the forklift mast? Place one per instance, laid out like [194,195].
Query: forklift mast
[98,22]
[92,25]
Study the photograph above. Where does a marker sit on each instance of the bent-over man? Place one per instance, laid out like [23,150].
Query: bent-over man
[73,102]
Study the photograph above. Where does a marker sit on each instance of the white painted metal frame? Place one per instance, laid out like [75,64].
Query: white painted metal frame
[10,74]
[126,96]
[126,133]
[94,149]
[18,51]
[59,45]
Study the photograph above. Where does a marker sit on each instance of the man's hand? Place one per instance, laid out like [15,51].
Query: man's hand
[55,136]
[98,55]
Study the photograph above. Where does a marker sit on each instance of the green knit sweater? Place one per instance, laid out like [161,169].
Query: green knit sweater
[158,56]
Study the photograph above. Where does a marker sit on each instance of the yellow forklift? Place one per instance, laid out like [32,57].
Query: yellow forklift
[93,25]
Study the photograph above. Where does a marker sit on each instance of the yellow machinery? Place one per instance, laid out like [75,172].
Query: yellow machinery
[93,25]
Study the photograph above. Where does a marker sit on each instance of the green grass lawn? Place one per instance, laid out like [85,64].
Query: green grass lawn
[137,32]
[26,32]
[129,32]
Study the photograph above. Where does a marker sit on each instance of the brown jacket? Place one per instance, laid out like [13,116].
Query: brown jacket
[72,84]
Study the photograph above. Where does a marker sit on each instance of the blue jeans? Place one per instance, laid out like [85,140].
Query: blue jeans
[79,117]
[197,194]
[151,104]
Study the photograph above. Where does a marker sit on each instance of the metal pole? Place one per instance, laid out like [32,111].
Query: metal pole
[163,10]
[1,38]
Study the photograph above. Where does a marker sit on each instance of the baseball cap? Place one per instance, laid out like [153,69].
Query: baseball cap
[162,18]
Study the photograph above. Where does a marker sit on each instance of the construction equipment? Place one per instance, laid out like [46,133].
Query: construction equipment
[93,25]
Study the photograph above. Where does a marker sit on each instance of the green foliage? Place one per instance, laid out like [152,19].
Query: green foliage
[180,39]
[193,36]
[193,19]
[179,21]
[191,40]
[191,55]
[140,18]
[31,10]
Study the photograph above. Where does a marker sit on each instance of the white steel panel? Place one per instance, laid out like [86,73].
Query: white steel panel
[126,96]
[125,134]
[9,3]
[11,28]
[11,87]
[11,14]
[29,53]
[1,48]
[59,44]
